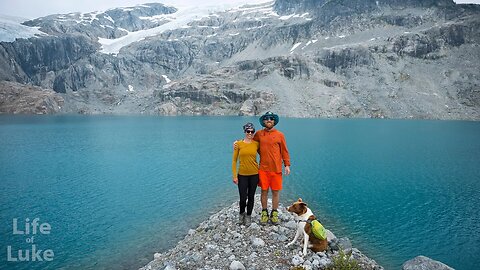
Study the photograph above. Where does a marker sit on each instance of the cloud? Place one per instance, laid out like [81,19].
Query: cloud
[34,8]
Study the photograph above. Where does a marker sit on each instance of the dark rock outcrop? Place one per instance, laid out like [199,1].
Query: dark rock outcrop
[17,98]
[210,96]
[340,59]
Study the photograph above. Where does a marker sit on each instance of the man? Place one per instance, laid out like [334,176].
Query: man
[273,150]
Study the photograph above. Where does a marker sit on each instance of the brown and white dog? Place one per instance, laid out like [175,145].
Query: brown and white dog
[303,213]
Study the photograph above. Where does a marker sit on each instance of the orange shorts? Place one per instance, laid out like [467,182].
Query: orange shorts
[271,180]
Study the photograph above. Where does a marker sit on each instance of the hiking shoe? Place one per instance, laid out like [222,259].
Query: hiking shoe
[241,218]
[264,217]
[274,217]
[248,220]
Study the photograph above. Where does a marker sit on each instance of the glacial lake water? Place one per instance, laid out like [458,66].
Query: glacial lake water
[116,189]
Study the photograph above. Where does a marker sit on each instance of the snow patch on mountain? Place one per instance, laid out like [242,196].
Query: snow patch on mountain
[288,17]
[294,47]
[167,80]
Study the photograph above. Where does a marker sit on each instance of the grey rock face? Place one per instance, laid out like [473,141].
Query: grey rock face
[37,58]
[132,18]
[285,7]
[345,58]
[191,98]
[112,23]
[427,44]
[334,8]
[424,263]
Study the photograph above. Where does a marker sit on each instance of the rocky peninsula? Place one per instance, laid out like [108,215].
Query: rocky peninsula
[220,243]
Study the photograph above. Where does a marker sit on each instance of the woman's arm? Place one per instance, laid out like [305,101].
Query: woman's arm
[234,164]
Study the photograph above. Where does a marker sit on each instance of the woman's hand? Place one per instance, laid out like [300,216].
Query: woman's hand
[235,180]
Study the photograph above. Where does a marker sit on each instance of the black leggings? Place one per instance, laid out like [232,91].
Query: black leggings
[247,185]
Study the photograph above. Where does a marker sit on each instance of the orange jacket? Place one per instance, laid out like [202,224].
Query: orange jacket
[273,149]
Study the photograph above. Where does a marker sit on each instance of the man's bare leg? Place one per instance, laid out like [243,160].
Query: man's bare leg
[275,199]
[264,198]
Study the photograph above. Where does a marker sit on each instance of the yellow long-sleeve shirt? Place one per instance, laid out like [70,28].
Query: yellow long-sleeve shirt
[247,154]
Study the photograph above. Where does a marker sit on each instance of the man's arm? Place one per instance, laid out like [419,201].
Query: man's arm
[256,137]
[285,155]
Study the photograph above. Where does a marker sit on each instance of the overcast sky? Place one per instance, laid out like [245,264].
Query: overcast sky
[35,8]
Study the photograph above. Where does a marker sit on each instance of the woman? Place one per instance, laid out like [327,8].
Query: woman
[247,177]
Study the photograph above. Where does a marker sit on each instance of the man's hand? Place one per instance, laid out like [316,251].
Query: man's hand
[287,170]
[235,180]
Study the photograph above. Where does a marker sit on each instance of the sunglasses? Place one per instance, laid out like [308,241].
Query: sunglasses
[250,131]
[268,118]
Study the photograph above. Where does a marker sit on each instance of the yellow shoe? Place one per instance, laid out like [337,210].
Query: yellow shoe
[264,217]
[274,217]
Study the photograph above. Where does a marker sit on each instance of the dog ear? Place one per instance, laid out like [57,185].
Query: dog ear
[299,200]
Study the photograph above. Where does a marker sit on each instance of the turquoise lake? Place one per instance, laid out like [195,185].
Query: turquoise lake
[117,189]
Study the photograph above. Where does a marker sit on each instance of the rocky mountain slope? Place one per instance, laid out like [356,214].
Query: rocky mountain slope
[310,58]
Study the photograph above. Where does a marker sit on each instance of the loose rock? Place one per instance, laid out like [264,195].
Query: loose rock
[236,265]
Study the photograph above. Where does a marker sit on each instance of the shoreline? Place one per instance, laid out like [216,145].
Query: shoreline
[220,243]
[134,114]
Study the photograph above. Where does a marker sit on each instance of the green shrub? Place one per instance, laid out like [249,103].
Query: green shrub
[343,261]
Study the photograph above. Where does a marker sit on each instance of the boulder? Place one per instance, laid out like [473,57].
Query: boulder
[424,263]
